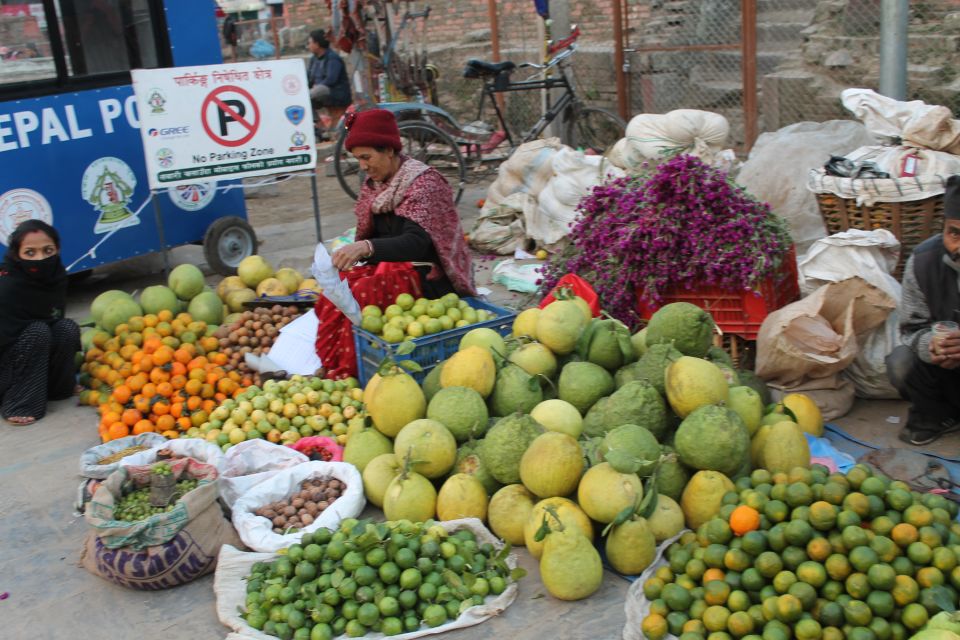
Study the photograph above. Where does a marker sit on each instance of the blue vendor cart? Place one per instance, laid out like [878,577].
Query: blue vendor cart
[70,146]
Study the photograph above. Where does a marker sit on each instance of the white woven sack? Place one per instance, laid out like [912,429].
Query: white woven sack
[257,532]
[231,589]
[249,463]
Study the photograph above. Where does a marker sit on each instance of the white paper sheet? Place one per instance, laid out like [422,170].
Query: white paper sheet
[295,349]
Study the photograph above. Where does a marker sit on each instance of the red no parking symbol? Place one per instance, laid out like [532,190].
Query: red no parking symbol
[230,116]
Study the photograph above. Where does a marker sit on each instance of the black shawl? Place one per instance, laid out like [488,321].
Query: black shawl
[26,298]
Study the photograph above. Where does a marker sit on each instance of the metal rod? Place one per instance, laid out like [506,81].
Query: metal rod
[688,47]
[495,40]
[618,59]
[316,204]
[748,11]
[163,244]
[894,15]
[276,37]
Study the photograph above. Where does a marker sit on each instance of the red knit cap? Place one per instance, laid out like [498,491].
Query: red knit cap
[373,128]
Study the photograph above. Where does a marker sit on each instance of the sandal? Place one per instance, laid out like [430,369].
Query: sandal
[21,421]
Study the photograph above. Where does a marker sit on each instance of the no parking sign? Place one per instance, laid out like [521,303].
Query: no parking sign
[224,121]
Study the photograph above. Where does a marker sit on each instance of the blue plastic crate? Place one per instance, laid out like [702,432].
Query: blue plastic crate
[430,350]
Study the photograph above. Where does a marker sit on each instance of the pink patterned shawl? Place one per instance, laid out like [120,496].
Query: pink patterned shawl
[421,194]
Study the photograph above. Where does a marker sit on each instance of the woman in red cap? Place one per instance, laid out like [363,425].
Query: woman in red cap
[405,212]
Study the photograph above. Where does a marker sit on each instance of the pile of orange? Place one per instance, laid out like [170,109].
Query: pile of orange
[156,374]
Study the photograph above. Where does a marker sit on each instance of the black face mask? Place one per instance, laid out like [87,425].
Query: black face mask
[41,270]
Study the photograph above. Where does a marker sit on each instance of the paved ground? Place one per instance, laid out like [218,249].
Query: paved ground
[51,597]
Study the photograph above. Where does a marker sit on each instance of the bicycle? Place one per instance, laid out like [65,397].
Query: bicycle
[433,135]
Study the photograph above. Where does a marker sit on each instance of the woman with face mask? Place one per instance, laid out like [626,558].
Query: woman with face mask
[37,343]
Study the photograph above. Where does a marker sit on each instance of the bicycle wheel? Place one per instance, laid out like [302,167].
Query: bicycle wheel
[421,141]
[347,168]
[424,142]
[594,129]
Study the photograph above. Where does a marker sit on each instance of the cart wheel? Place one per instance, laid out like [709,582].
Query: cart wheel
[227,242]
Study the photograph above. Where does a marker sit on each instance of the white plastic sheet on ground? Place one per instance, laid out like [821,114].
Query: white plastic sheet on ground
[637,606]
[257,531]
[231,589]
[251,462]
[776,170]
[871,255]
[196,448]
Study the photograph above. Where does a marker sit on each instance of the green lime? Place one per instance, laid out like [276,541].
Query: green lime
[434,615]
[405,558]
[410,579]
[391,626]
[407,599]
[349,609]
[347,588]
[365,575]
[857,613]
[352,561]
[805,593]
[321,632]
[296,619]
[313,553]
[355,630]
[881,603]
[336,549]
[306,571]
[368,614]
[882,577]
[427,591]
[365,594]
[376,556]
[295,553]
[862,558]
[322,613]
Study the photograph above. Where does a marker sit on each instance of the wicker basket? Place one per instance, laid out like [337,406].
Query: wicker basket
[911,222]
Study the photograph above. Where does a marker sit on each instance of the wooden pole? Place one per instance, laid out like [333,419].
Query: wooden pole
[495,41]
[748,29]
[618,61]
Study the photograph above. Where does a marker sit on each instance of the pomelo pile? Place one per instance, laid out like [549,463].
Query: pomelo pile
[255,278]
[411,317]
[283,411]
[811,555]
[552,433]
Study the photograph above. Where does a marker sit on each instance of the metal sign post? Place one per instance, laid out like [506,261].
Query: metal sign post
[163,243]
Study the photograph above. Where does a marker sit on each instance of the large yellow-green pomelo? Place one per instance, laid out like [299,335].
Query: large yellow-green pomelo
[157,298]
[807,412]
[666,520]
[703,496]
[486,338]
[290,278]
[207,307]
[631,546]
[535,358]
[102,301]
[570,566]
[364,446]
[604,492]
[430,446]
[410,496]
[748,404]
[396,400]
[714,438]
[461,410]
[552,465]
[559,415]
[686,326]
[569,514]
[237,297]
[472,367]
[525,324]
[271,287]
[508,512]
[253,270]
[119,311]
[186,280]
[692,383]
[560,325]
[229,284]
[462,496]
[785,448]
[377,476]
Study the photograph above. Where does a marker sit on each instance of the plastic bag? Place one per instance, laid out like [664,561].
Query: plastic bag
[872,255]
[776,170]
[334,289]
[251,462]
[230,588]
[578,287]
[501,227]
[636,605]
[88,460]
[257,532]
[195,448]
[518,277]
[527,170]
[308,445]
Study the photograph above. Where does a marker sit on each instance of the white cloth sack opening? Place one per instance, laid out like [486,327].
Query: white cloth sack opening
[871,255]
[233,566]
[527,170]
[335,290]
[196,448]
[917,123]
[88,460]
[251,462]
[691,131]
[257,532]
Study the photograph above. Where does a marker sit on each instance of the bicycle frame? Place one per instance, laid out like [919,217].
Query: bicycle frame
[554,108]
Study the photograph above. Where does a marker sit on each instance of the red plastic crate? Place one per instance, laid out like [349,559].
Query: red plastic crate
[738,312]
